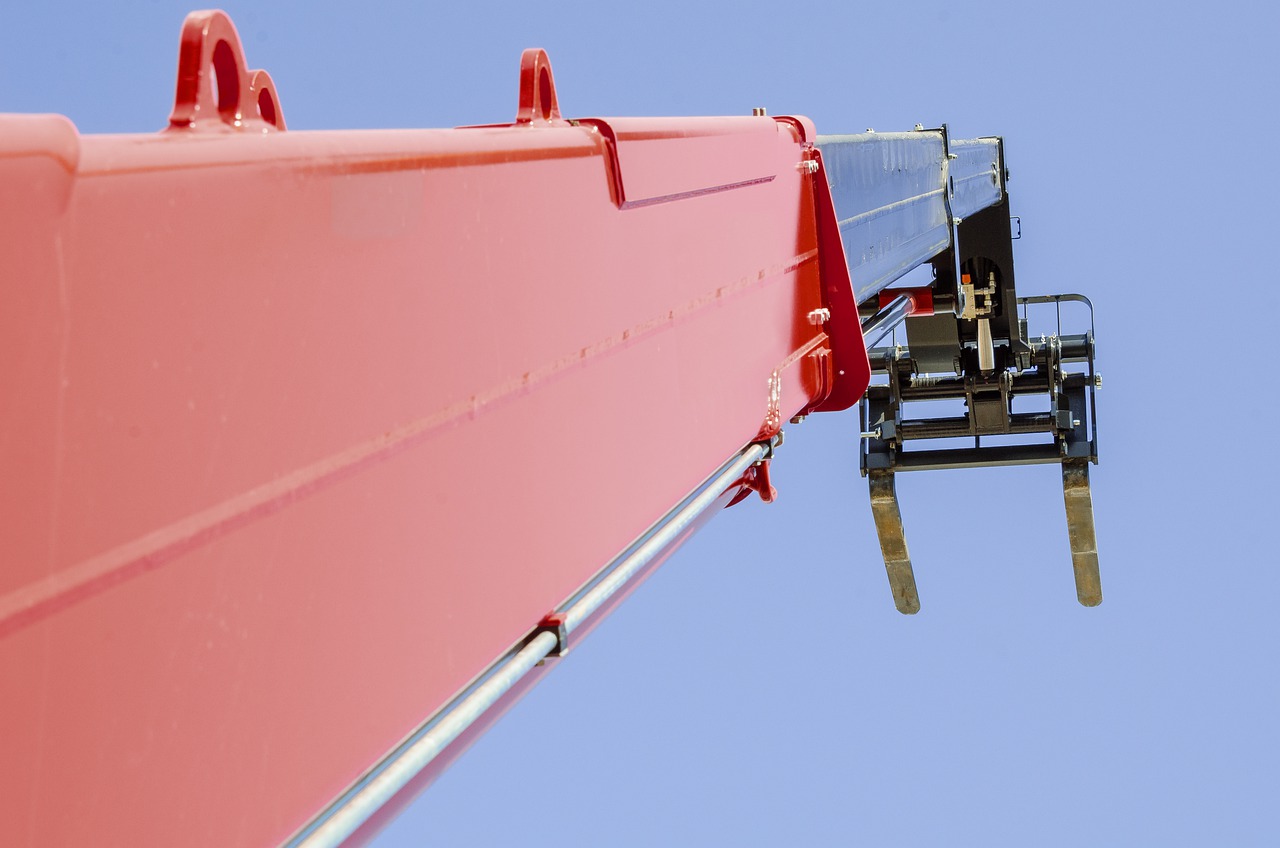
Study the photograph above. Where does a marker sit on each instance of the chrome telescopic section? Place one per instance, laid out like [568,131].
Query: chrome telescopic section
[345,815]
[899,196]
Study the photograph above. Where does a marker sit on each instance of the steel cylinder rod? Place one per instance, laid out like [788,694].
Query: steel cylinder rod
[875,328]
[380,785]
[672,528]
[395,773]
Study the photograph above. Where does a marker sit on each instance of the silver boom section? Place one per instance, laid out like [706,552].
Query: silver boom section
[910,198]
[897,196]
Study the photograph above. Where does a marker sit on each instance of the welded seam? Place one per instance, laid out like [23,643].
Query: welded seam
[697,192]
[99,573]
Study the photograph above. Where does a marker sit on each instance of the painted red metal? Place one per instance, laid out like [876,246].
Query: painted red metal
[301,431]
[921,299]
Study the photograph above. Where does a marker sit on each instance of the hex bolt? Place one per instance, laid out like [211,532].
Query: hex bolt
[819,316]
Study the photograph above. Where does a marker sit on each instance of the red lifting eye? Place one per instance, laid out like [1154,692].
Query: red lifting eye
[215,90]
[538,102]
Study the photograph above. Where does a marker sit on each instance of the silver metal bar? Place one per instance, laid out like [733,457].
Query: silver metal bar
[349,812]
[875,328]
[676,525]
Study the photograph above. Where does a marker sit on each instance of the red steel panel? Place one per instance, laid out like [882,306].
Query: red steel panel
[302,430]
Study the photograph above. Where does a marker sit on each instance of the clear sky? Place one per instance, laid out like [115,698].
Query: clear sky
[761,689]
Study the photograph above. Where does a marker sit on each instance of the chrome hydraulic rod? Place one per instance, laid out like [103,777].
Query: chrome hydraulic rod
[395,773]
[875,328]
[345,815]
[675,525]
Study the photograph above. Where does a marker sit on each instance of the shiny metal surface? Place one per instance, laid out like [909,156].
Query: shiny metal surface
[364,800]
[976,178]
[382,785]
[890,195]
[875,328]
[660,540]
[888,190]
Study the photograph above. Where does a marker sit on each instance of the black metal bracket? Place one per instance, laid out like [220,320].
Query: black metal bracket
[1059,370]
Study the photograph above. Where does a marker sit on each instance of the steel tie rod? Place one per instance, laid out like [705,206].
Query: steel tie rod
[345,815]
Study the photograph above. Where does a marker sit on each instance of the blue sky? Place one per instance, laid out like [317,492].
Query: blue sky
[761,689]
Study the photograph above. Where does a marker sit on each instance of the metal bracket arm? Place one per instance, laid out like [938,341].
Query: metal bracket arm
[1069,421]
[1080,531]
[893,542]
